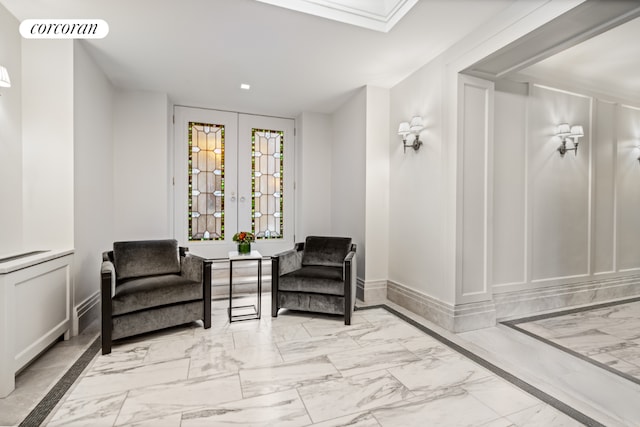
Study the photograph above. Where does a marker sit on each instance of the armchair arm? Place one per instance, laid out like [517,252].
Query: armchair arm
[290,260]
[107,291]
[283,263]
[108,273]
[349,273]
[191,267]
[196,268]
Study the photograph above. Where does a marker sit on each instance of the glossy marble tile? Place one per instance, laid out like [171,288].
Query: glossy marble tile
[284,376]
[315,346]
[436,376]
[282,409]
[93,411]
[365,419]
[116,379]
[454,408]
[542,415]
[372,358]
[343,396]
[177,397]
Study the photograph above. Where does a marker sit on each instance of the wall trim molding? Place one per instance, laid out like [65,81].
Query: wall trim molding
[561,297]
[86,312]
[510,305]
[455,318]
[371,291]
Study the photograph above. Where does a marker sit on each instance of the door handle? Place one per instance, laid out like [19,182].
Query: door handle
[242,199]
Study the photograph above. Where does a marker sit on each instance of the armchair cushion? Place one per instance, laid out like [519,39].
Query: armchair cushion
[154,291]
[314,279]
[325,251]
[146,258]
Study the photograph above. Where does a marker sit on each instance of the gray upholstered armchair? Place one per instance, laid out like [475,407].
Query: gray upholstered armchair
[318,275]
[149,285]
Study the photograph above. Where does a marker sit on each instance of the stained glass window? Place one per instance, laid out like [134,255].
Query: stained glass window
[206,181]
[267,183]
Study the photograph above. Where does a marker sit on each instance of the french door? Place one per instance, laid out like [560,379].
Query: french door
[233,172]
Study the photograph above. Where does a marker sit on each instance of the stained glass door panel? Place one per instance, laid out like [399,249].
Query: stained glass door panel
[206,181]
[205,153]
[265,179]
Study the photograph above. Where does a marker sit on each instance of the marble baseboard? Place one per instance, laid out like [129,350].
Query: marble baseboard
[515,304]
[371,292]
[86,313]
[509,305]
[455,318]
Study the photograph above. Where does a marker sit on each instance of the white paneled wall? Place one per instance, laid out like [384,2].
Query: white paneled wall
[604,187]
[561,220]
[627,206]
[510,190]
[475,177]
[559,187]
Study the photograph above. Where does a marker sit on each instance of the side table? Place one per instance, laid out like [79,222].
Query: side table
[254,309]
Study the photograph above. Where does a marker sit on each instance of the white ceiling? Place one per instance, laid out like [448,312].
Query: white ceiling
[199,51]
[609,63]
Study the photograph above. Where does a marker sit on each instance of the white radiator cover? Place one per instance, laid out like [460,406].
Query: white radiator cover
[36,294]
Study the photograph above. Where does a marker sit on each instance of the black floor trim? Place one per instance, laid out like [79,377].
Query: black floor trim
[570,311]
[548,399]
[51,399]
[513,324]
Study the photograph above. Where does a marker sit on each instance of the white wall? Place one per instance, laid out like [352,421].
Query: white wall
[93,171]
[417,211]
[564,220]
[627,177]
[141,180]
[376,249]
[313,175]
[10,137]
[47,132]
[509,189]
[348,174]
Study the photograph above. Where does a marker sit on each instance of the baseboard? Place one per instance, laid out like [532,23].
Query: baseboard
[455,318]
[515,304]
[86,312]
[510,305]
[372,291]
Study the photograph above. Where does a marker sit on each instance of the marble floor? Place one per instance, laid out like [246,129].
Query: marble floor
[608,335]
[294,370]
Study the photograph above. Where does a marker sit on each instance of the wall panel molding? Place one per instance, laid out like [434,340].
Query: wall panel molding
[591,232]
[475,189]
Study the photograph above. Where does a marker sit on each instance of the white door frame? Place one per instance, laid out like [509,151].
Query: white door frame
[237,195]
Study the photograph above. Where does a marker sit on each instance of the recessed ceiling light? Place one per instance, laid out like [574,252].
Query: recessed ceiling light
[245,86]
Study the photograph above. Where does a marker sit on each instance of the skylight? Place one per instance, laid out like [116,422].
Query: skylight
[378,15]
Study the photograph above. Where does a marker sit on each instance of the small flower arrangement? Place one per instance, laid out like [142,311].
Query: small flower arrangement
[244,237]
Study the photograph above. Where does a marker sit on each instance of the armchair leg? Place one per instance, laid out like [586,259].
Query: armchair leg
[206,292]
[275,274]
[107,326]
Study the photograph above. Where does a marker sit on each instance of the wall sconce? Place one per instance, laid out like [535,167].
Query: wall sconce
[414,128]
[5,81]
[566,132]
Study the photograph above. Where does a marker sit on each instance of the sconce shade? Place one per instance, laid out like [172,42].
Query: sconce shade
[5,81]
[577,131]
[404,129]
[416,124]
[563,129]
